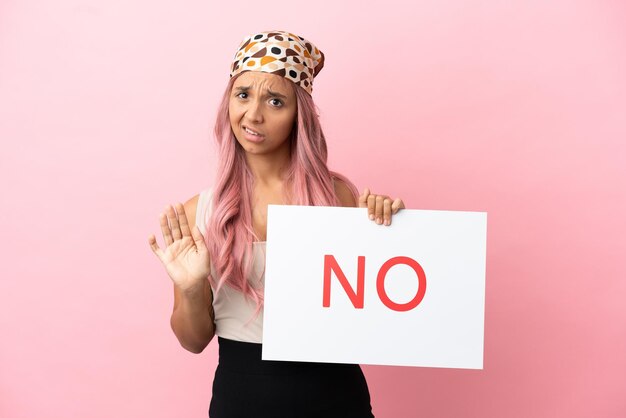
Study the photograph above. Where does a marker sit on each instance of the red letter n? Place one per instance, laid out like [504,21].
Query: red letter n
[356,298]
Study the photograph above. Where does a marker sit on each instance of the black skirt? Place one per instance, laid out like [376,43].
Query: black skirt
[246,386]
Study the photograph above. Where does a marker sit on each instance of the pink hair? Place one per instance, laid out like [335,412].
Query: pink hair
[229,233]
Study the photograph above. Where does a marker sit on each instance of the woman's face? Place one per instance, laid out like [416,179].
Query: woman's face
[266,104]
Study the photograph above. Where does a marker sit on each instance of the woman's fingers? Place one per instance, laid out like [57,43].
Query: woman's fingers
[198,238]
[172,217]
[182,219]
[155,247]
[174,225]
[397,205]
[371,206]
[368,200]
[387,211]
[363,198]
[165,229]
[380,208]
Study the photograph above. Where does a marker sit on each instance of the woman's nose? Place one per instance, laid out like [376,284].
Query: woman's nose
[254,111]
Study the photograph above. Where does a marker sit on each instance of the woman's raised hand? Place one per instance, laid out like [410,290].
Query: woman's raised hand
[186,257]
[380,207]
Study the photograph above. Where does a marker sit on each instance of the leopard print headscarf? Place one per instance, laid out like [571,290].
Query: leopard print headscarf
[281,53]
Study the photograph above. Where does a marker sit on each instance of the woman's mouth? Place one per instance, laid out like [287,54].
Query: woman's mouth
[252,135]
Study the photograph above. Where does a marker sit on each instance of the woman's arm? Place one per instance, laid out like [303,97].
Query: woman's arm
[192,317]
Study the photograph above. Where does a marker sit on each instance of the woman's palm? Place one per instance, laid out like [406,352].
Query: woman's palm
[186,257]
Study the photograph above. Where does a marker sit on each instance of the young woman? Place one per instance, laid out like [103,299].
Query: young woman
[271,151]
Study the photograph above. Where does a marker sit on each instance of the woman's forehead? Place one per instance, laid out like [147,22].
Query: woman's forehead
[262,80]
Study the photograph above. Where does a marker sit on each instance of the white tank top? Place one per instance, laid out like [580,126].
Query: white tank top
[233,311]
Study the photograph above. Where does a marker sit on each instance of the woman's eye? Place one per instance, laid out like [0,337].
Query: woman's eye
[275,102]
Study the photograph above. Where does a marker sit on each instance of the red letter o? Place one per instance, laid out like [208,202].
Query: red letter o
[380,284]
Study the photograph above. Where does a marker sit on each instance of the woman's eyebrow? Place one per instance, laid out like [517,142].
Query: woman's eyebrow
[271,93]
[276,94]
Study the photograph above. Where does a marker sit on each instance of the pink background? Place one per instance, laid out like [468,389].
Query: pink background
[514,108]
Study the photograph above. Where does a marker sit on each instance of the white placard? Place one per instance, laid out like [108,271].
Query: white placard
[426,310]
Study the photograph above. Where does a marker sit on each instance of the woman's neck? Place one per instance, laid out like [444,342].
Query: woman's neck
[269,169]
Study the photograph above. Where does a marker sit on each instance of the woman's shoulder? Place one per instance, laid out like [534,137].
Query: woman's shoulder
[345,193]
[194,203]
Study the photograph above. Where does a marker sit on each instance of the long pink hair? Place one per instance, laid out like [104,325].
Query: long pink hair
[308,180]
